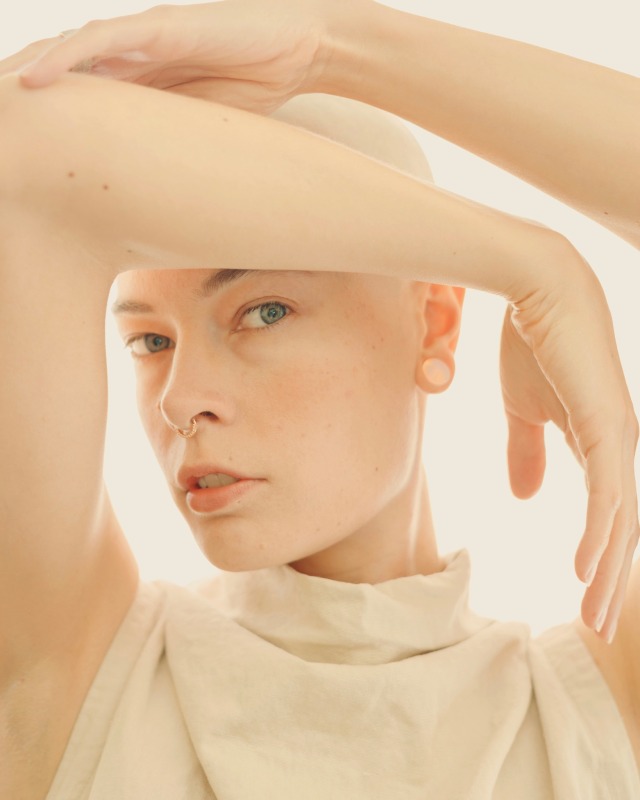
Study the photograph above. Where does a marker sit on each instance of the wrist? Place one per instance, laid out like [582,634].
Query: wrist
[553,278]
[354,42]
[533,258]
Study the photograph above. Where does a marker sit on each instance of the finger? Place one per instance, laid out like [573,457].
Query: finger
[246,95]
[599,595]
[611,483]
[604,599]
[28,54]
[526,456]
[609,627]
[604,481]
[123,36]
[570,439]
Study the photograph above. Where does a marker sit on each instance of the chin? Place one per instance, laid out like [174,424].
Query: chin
[237,550]
[234,548]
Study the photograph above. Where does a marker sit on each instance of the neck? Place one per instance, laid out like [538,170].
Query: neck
[398,542]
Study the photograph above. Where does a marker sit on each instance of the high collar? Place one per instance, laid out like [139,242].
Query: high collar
[321,620]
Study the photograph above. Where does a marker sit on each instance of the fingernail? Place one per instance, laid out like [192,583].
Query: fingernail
[612,632]
[591,573]
[601,618]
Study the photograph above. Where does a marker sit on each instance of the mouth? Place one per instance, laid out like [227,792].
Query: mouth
[216,480]
[208,489]
[191,478]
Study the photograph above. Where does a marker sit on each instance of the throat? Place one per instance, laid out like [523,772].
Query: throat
[397,541]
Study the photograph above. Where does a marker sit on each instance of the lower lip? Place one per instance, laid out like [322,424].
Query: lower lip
[205,501]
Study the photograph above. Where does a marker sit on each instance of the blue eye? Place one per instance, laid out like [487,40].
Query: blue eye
[264,315]
[148,343]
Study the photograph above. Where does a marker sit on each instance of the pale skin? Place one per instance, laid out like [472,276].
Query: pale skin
[68,591]
[240,53]
[296,409]
[72,597]
[565,125]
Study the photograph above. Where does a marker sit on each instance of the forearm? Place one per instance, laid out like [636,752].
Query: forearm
[222,188]
[570,127]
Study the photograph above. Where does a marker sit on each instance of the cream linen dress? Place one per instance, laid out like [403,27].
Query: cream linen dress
[272,684]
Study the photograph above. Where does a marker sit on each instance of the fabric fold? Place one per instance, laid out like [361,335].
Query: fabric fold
[273,684]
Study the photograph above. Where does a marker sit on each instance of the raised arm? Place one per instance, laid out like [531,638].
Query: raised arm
[570,127]
[186,194]
[67,576]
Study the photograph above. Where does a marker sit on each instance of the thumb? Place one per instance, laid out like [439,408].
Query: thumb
[526,457]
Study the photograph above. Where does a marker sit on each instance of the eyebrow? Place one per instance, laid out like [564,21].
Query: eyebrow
[218,279]
[212,283]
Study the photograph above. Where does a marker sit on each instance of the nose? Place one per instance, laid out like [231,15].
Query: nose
[193,391]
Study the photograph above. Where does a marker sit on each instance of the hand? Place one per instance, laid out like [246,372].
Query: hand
[252,54]
[600,427]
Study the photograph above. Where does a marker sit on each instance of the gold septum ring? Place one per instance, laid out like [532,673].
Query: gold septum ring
[189,432]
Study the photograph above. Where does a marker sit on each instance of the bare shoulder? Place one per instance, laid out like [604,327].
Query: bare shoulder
[619,662]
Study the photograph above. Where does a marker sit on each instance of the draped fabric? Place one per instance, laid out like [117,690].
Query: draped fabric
[273,684]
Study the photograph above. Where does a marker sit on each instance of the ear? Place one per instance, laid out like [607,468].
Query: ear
[442,313]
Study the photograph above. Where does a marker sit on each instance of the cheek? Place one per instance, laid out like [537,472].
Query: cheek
[155,428]
[346,416]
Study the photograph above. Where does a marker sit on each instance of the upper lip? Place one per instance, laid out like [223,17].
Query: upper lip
[188,476]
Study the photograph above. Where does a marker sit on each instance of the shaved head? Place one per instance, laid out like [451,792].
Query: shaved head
[369,130]
[323,415]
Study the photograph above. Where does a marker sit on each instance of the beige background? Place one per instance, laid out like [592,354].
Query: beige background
[522,551]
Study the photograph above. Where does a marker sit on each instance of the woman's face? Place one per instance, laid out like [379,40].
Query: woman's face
[303,386]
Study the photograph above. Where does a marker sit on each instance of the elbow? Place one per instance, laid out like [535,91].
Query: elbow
[37,139]
[27,141]
[13,147]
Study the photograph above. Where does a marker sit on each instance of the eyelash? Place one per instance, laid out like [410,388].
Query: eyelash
[262,305]
[133,339]
[128,344]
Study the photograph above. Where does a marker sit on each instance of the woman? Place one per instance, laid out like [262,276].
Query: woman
[311,47]
[90,580]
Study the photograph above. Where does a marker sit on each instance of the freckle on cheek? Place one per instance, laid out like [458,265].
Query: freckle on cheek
[71,174]
[104,186]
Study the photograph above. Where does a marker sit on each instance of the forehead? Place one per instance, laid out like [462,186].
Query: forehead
[146,283]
